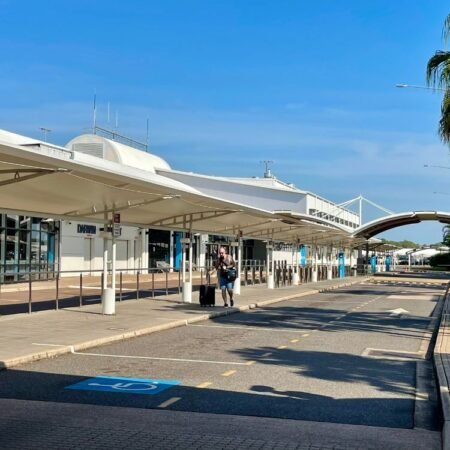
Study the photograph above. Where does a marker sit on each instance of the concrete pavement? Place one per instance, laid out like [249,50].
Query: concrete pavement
[30,337]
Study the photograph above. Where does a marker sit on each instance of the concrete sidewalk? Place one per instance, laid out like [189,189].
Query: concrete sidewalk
[30,337]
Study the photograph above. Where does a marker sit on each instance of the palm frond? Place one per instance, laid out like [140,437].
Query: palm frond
[446,29]
[438,69]
[444,123]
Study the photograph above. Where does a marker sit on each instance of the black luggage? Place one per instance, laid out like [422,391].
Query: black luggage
[207,295]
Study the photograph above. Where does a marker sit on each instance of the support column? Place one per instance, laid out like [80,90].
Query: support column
[295,275]
[108,294]
[314,268]
[187,284]
[237,282]
[330,264]
[269,262]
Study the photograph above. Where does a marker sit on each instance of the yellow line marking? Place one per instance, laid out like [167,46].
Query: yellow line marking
[305,335]
[228,373]
[294,341]
[250,363]
[169,402]
[205,384]
[282,346]
[266,354]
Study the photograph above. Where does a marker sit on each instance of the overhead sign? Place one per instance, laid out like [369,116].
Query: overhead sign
[124,385]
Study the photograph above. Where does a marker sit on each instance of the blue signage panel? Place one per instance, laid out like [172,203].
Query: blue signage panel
[124,385]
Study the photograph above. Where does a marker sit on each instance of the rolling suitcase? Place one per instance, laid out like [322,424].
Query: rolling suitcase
[207,295]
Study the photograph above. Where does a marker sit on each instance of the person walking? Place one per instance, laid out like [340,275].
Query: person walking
[226,272]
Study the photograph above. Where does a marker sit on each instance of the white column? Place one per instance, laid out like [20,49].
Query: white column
[171,249]
[143,249]
[330,265]
[270,281]
[295,275]
[108,295]
[314,268]
[187,284]
[237,282]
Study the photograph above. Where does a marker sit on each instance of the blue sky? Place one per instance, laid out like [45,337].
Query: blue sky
[227,84]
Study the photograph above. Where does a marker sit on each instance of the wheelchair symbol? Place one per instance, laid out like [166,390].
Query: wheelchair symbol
[129,386]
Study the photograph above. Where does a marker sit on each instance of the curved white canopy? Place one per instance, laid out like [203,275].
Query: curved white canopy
[43,180]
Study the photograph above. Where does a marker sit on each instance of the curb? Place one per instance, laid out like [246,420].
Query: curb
[64,349]
[439,357]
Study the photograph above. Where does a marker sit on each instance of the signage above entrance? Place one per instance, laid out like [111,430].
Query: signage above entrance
[86,229]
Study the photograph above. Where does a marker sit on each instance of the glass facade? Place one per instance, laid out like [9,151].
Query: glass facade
[159,247]
[27,245]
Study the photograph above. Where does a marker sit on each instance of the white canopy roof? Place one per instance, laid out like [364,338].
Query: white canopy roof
[39,179]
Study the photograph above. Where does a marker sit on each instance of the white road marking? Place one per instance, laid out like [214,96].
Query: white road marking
[228,373]
[285,330]
[205,384]
[169,402]
[104,355]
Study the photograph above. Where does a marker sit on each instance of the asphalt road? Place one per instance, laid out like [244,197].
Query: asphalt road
[304,359]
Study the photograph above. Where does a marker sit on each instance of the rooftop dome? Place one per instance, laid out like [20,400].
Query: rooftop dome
[104,148]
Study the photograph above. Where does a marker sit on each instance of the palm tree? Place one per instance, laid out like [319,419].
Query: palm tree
[438,75]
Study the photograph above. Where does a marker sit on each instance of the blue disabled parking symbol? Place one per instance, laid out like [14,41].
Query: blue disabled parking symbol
[124,385]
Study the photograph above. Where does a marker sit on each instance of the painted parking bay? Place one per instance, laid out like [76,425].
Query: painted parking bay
[124,385]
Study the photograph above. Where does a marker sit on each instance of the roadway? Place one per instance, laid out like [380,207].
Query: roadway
[353,360]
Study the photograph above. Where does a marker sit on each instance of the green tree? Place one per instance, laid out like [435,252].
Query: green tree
[438,76]
[446,235]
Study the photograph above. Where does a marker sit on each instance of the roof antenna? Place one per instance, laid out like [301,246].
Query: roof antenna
[146,141]
[267,173]
[94,118]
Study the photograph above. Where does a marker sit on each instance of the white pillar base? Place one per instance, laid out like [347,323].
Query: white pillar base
[354,272]
[296,279]
[109,301]
[187,292]
[270,282]
[237,286]
[314,276]
[329,272]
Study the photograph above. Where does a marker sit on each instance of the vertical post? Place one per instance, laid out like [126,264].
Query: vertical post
[29,293]
[295,275]
[314,264]
[81,289]
[167,282]
[187,285]
[153,284]
[270,266]
[120,286]
[57,293]
[238,257]
[137,285]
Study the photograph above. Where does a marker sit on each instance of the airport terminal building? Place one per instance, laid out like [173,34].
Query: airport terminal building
[45,245]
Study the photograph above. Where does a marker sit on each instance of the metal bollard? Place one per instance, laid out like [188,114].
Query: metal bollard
[57,294]
[81,290]
[137,285]
[167,283]
[153,284]
[120,287]
[29,293]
